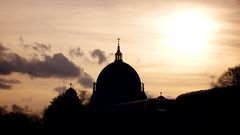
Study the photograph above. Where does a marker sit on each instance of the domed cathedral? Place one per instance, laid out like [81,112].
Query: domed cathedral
[117,83]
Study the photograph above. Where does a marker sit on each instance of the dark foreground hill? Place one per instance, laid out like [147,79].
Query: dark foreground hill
[216,110]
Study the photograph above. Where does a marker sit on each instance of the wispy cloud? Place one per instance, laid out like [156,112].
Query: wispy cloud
[60,90]
[41,48]
[76,52]
[7,83]
[38,49]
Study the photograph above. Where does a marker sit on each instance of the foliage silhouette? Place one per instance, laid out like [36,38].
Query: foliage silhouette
[3,110]
[20,120]
[229,78]
[84,97]
[63,108]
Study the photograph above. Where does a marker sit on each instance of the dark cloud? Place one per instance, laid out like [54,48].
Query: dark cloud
[57,66]
[41,48]
[5,86]
[51,66]
[7,83]
[2,48]
[76,52]
[60,90]
[85,80]
[97,53]
[9,62]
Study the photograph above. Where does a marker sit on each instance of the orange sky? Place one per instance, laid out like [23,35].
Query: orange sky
[167,42]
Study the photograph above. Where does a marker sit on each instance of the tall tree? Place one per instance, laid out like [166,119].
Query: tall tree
[229,78]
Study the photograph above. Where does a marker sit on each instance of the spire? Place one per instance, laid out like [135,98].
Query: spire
[118,54]
[118,41]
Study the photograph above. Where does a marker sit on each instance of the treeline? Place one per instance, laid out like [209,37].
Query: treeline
[19,119]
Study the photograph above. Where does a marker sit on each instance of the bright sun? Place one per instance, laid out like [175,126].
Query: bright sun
[188,31]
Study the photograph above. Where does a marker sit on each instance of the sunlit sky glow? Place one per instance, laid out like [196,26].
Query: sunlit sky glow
[189,31]
[175,46]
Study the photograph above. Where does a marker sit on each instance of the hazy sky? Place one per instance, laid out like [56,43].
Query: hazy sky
[175,46]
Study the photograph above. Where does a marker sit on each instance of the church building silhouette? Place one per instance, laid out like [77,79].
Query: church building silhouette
[117,83]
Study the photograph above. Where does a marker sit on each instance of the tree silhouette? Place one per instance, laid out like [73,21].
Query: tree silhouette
[3,110]
[65,108]
[84,96]
[19,119]
[229,78]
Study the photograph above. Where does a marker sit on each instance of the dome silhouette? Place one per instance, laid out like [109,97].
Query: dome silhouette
[117,83]
[161,96]
[70,92]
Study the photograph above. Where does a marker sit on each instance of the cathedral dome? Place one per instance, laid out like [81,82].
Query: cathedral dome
[118,82]
[118,79]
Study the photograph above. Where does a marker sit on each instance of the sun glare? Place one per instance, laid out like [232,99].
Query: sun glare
[188,31]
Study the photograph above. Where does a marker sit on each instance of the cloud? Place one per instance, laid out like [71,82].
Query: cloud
[85,80]
[2,48]
[41,48]
[97,53]
[38,48]
[60,90]
[57,66]
[76,52]
[21,40]
[7,83]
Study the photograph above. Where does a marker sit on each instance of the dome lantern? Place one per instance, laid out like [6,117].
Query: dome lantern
[118,54]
